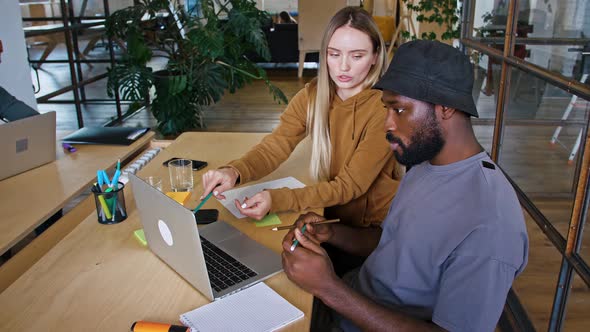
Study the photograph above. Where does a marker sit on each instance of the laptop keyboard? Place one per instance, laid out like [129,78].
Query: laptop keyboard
[224,270]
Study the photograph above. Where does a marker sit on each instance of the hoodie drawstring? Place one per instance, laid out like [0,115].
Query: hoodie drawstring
[353,118]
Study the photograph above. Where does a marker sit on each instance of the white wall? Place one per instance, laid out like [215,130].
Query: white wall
[96,7]
[15,74]
[291,6]
[277,6]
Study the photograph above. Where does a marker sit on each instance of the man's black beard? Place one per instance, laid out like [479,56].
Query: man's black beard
[425,143]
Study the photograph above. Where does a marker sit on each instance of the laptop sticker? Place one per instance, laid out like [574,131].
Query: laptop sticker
[165,232]
[22,145]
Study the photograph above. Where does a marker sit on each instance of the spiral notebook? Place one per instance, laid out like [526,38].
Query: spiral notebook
[254,309]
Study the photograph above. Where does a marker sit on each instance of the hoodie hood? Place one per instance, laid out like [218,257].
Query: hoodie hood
[358,99]
[353,104]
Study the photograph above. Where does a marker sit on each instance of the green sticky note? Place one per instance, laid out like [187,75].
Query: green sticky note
[271,219]
[140,236]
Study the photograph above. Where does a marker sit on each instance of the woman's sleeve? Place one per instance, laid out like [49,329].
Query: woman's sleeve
[276,147]
[352,181]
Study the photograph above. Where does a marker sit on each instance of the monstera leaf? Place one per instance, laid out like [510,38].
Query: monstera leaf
[118,23]
[209,83]
[248,29]
[207,42]
[133,82]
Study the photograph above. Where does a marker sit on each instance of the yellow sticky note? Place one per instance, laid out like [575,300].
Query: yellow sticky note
[180,197]
[271,219]
[140,236]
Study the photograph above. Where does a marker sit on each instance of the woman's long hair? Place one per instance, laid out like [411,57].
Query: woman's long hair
[323,92]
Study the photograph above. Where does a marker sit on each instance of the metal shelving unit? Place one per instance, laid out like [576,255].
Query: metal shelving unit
[71,26]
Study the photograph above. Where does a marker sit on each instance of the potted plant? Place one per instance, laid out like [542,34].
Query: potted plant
[205,51]
[444,13]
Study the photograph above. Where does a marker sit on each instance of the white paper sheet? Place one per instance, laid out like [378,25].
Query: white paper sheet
[248,191]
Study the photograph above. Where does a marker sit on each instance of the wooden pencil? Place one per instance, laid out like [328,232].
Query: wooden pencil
[329,221]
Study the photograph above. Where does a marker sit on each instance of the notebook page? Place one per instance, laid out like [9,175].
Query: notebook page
[249,191]
[254,309]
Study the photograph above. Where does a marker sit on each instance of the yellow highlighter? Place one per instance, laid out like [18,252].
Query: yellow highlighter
[105,207]
[140,236]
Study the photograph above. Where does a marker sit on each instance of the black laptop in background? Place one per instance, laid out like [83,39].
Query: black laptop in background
[105,135]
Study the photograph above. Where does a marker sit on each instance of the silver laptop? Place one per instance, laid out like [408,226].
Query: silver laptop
[27,143]
[217,259]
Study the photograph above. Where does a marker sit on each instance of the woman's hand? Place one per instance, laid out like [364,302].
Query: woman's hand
[221,180]
[257,206]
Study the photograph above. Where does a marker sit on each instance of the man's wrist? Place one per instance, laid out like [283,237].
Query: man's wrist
[332,234]
[330,293]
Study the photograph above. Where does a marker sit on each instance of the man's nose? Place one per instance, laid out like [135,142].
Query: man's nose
[390,124]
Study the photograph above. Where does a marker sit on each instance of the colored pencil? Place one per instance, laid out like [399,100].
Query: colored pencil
[329,221]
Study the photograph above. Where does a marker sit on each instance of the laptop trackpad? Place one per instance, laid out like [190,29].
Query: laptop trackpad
[219,231]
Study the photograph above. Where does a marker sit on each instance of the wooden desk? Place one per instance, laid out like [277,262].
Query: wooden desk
[99,278]
[30,198]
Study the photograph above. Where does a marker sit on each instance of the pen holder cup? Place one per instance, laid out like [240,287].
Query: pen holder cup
[110,204]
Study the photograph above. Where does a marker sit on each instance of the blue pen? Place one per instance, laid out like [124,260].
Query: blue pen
[99,179]
[296,242]
[105,177]
[115,186]
[117,175]
[116,178]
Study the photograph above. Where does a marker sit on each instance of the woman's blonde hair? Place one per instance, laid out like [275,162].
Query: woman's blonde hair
[323,89]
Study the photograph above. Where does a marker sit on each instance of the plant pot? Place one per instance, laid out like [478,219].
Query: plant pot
[169,83]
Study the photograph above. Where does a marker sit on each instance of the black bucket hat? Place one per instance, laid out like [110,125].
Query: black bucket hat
[431,71]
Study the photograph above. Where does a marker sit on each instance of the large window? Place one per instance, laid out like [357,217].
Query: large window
[532,64]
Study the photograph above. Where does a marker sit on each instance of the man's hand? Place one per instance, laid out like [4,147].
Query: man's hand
[257,206]
[219,179]
[308,265]
[317,233]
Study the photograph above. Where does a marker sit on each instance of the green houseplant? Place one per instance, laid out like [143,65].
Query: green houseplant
[445,13]
[205,50]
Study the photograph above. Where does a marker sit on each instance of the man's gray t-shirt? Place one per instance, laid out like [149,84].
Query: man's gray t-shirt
[452,243]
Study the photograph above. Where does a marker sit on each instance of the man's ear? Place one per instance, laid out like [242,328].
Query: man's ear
[446,112]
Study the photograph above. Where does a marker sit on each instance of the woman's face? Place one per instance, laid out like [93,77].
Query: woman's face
[350,57]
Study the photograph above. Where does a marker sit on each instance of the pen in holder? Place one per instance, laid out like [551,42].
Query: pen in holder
[110,204]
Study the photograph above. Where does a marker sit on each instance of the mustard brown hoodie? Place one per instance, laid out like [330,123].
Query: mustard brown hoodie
[363,177]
